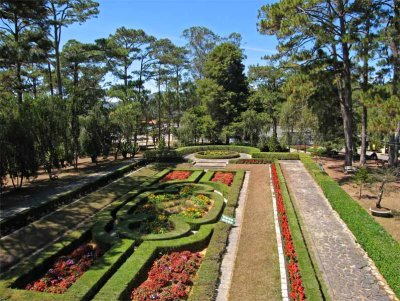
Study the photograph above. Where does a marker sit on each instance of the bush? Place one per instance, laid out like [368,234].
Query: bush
[217,154]
[163,155]
[375,240]
[237,148]
[271,157]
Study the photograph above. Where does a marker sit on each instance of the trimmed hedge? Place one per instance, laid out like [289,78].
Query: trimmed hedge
[198,148]
[163,156]
[375,240]
[222,155]
[19,220]
[129,274]
[271,157]
[312,280]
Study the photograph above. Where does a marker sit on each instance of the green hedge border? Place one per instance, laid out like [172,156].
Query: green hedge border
[228,155]
[271,157]
[380,246]
[85,287]
[315,288]
[23,218]
[198,148]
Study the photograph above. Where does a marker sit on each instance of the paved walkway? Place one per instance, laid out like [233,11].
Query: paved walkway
[256,271]
[27,197]
[344,265]
[34,236]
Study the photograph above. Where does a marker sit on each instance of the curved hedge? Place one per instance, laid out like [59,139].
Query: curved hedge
[198,148]
[217,154]
[380,246]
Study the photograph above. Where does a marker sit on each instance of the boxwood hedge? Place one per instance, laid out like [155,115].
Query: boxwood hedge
[271,157]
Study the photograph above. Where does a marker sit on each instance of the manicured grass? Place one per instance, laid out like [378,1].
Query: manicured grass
[315,289]
[380,246]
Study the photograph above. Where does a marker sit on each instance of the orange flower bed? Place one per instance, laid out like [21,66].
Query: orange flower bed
[176,175]
[223,177]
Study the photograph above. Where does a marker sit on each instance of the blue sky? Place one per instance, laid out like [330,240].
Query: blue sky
[168,19]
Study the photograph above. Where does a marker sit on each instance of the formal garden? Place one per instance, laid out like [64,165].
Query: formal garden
[252,156]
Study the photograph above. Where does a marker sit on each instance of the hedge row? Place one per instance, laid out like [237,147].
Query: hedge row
[222,155]
[163,156]
[271,157]
[86,286]
[375,240]
[17,221]
[119,286]
[312,280]
[198,148]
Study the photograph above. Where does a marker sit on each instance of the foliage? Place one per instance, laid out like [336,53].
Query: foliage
[217,154]
[361,177]
[276,156]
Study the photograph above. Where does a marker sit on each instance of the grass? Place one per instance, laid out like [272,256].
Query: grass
[315,289]
[375,240]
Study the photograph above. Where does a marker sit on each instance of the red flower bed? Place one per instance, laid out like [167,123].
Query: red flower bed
[296,284]
[176,175]
[223,177]
[66,270]
[251,161]
[170,278]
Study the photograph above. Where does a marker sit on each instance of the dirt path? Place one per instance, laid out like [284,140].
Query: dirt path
[27,240]
[256,271]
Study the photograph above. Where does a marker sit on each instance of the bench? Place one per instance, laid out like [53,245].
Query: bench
[380,163]
[350,169]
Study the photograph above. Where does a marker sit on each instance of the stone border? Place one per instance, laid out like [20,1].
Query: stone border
[228,259]
[282,264]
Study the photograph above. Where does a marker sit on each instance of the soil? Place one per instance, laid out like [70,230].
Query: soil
[391,197]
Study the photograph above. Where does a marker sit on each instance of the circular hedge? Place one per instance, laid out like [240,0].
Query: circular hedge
[217,154]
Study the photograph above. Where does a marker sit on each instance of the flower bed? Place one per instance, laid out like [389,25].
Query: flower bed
[176,175]
[66,270]
[170,278]
[223,177]
[296,284]
[250,161]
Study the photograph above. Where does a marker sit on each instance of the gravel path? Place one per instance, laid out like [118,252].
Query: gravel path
[256,272]
[347,271]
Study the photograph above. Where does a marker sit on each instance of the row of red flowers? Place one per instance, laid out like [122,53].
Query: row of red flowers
[170,278]
[223,177]
[66,270]
[176,175]
[296,284]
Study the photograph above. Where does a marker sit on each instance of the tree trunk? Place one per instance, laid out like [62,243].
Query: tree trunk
[363,155]
[57,56]
[159,104]
[50,77]
[380,195]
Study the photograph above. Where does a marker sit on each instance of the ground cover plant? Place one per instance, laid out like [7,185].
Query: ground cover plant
[170,278]
[296,284]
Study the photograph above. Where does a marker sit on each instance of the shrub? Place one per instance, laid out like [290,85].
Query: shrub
[271,157]
[237,148]
[213,154]
[162,155]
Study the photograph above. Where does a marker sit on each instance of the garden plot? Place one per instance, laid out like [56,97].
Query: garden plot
[172,217]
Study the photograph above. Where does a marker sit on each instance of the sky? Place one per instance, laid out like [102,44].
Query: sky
[168,19]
